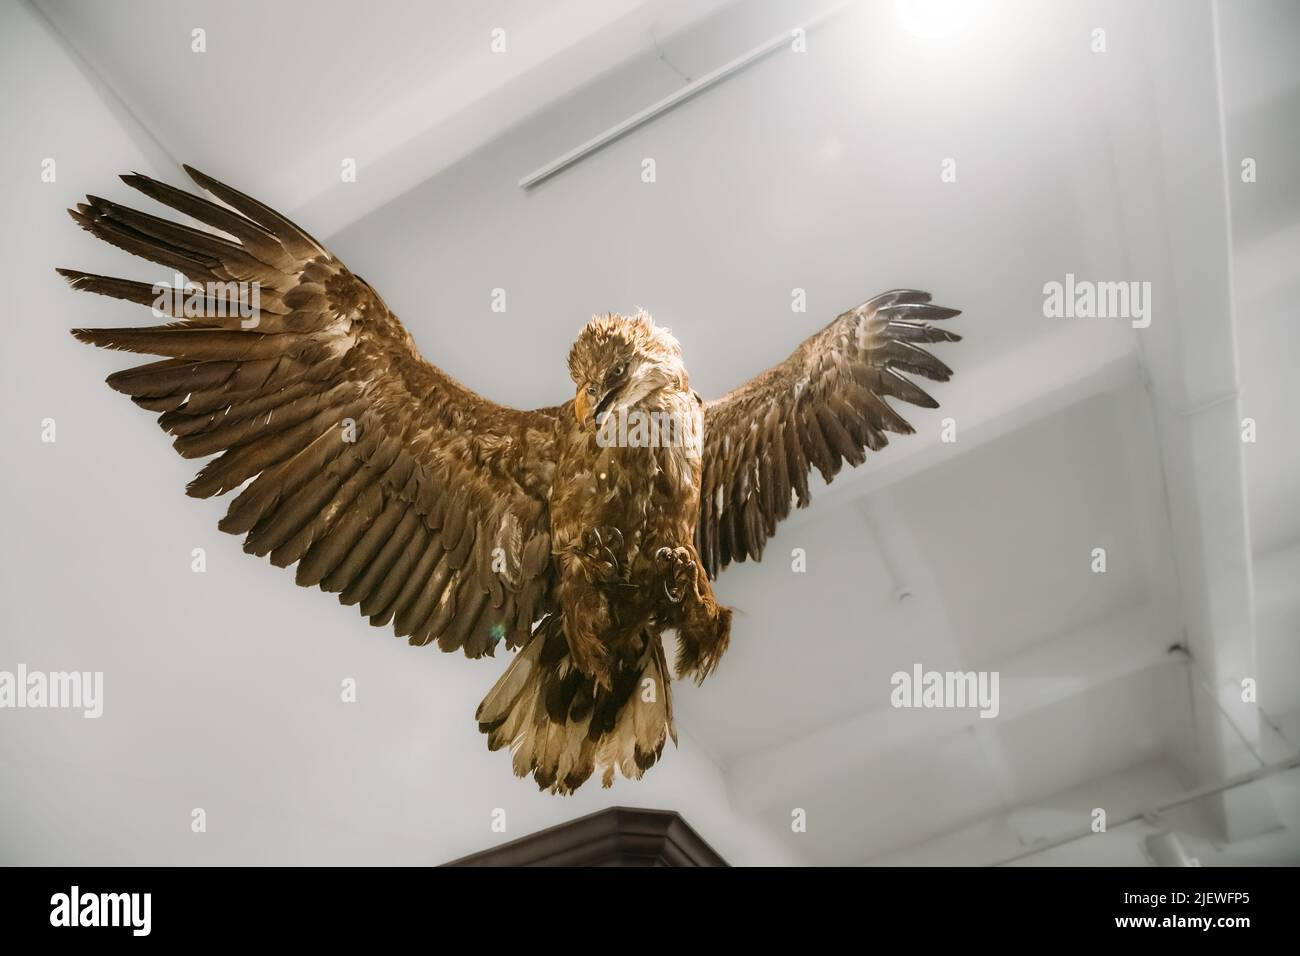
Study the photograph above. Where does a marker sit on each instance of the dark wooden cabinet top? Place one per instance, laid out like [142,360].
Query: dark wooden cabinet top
[618,836]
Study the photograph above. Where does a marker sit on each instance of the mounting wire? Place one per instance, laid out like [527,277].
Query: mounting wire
[1250,776]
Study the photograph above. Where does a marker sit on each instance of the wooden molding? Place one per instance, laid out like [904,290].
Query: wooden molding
[618,836]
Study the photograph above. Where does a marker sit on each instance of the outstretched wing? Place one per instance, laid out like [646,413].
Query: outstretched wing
[824,404]
[385,479]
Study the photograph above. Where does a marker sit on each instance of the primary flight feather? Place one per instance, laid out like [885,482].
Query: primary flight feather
[577,534]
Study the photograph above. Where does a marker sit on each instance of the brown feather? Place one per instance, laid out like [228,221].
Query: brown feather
[823,405]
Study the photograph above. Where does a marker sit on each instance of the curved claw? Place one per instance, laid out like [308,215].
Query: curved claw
[603,549]
[678,566]
[611,548]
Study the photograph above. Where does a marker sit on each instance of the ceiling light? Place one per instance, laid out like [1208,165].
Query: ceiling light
[930,19]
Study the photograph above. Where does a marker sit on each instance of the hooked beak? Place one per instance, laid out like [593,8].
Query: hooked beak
[584,412]
[602,409]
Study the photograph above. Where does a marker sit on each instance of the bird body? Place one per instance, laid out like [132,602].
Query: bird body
[578,535]
[624,506]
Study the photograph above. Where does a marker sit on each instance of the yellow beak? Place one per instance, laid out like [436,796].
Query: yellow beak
[582,407]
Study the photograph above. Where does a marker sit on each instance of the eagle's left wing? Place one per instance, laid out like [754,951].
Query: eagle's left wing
[385,479]
[825,403]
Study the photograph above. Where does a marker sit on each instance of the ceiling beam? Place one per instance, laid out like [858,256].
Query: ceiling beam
[1029,681]
[1171,179]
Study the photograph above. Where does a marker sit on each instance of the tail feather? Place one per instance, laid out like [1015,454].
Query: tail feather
[562,728]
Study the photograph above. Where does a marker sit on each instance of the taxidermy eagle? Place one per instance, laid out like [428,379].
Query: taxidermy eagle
[468,524]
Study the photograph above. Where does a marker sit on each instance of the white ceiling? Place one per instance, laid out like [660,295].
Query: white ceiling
[822,172]
[286,91]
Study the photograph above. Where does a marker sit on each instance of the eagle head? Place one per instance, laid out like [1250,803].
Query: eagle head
[619,361]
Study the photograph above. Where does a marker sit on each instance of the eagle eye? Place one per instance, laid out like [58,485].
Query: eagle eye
[618,370]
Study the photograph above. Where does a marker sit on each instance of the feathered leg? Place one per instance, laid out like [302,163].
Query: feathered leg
[703,625]
[597,561]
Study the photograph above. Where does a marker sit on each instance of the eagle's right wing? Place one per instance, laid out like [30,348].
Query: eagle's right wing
[824,404]
[384,478]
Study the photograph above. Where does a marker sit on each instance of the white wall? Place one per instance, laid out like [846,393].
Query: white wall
[221,689]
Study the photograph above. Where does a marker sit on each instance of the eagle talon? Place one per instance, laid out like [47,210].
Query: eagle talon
[603,563]
[678,566]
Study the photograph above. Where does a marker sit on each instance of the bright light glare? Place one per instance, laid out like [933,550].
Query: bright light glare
[931,19]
